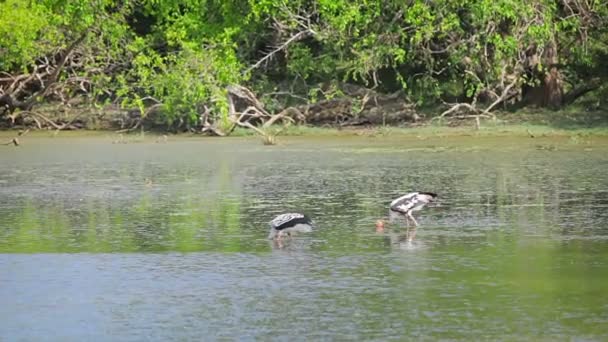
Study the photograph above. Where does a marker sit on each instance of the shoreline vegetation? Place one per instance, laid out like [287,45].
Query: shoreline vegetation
[283,68]
[430,131]
[575,122]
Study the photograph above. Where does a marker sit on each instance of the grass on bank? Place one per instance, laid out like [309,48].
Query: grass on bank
[522,129]
[574,121]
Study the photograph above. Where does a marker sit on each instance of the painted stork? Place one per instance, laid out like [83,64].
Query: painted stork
[413,201]
[289,223]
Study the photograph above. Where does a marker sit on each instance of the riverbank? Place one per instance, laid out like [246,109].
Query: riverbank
[433,138]
[576,124]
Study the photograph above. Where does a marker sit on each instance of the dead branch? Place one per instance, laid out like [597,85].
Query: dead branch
[249,125]
[10,97]
[15,141]
[458,107]
[69,123]
[504,94]
[455,108]
[53,77]
[282,115]
[254,110]
[206,126]
[296,37]
[247,96]
[44,118]
[302,22]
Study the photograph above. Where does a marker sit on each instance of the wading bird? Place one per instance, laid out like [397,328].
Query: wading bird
[413,201]
[289,223]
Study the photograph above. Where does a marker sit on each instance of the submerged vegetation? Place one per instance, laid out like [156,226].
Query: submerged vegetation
[210,66]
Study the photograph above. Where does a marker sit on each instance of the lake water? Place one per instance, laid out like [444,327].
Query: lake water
[154,241]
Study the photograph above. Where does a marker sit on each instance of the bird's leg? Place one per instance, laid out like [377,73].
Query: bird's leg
[411,235]
[409,214]
[407,221]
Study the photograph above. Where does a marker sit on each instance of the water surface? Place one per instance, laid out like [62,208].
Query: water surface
[152,241]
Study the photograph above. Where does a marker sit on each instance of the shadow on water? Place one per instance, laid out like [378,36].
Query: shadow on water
[170,240]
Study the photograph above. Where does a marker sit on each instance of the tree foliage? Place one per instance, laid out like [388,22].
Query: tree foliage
[184,54]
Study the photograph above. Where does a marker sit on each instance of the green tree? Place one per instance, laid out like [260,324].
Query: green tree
[173,60]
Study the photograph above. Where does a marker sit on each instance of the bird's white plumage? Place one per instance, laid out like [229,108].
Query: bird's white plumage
[413,201]
[288,224]
[283,218]
[405,203]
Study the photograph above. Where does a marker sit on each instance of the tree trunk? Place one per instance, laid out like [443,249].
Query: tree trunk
[549,92]
[553,89]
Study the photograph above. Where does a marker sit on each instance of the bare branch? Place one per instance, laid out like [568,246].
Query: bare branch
[296,37]
[504,94]
[455,108]
[41,116]
[281,115]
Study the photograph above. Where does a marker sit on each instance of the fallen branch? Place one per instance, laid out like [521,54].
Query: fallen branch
[206,126]
[249,125]
[246,95]
[67,124]
[459,106]
[454,108]
[502,96]
[10,98]
[485,113]
[41,116]
[282,115]
[15,141]
[55,75]
[254,110]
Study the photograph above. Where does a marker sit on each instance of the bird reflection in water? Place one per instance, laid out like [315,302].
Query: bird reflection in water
[395,237]
[287,225]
